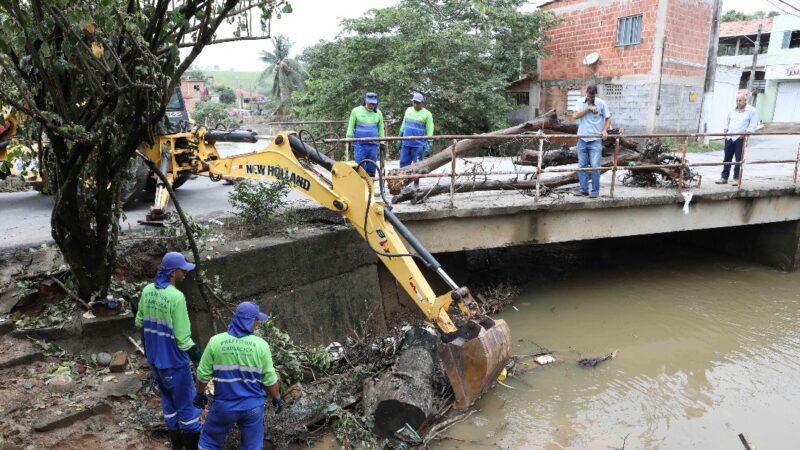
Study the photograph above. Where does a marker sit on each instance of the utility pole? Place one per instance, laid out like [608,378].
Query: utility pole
[711,69]
[751,81]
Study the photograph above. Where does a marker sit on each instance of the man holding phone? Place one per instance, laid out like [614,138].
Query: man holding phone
[594,119]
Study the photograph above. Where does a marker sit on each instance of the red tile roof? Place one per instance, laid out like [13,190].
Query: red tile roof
[745,27]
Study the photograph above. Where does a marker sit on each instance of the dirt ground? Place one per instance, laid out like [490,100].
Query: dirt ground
[26,400]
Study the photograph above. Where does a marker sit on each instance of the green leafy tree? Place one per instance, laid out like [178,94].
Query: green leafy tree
[734,15]
[287,75]
[194,74]
[209,114]
[94,78]
[459,53]
[226,94]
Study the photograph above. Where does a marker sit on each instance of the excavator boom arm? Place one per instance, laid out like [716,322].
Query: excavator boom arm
[474,354]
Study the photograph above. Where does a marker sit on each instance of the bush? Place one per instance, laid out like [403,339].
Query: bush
[209,114]
[258,203]
[226,95]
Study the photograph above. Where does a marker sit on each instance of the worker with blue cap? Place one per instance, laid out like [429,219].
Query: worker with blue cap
[366,121]
[240,364]
[417,121]
[169,347]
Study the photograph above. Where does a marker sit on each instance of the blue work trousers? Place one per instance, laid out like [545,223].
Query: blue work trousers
[410,155]
[177,394]
[219,422]
[363,151]
[732,148]
[590,154]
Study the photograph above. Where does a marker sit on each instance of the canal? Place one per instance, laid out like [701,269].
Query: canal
[708,348]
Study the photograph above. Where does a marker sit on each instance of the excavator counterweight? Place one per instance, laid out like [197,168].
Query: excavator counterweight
[473,354]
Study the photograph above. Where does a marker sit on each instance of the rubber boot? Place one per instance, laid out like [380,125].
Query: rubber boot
[175,439]
[190,440]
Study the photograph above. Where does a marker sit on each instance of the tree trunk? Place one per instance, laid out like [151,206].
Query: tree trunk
[463,146]
[85,219]
[405,395]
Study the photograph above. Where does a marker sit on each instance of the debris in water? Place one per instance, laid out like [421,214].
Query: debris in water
[592,362]
[544,359]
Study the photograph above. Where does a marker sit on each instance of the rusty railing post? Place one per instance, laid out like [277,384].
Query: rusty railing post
[741,163]
[452,173]
[796,163]
[683,164]
[614,169]
[539,164]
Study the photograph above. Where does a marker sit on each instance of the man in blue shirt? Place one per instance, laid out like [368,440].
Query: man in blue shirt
[593,119]
[743,119]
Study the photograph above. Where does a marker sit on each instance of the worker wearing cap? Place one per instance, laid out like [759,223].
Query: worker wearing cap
[169,348]
[240,364]
[417,121]
[366,121]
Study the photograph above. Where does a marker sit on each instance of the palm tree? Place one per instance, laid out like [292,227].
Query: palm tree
[287,74]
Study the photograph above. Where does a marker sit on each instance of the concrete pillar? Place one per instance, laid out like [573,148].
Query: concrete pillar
[774,244]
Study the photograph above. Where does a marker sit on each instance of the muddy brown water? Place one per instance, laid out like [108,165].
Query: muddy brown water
[708,345]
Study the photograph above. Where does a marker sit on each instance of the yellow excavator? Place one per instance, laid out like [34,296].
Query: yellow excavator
[474,353]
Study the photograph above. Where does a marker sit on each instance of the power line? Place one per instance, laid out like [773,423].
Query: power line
[790,5]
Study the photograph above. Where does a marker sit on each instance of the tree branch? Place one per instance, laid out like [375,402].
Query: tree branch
[220,41]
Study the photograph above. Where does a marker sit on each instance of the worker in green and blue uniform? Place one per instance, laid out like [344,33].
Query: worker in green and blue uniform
[240,364]
[417,121]
[366,121]
[169,348]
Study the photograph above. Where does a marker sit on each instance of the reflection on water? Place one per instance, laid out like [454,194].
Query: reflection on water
[708,348]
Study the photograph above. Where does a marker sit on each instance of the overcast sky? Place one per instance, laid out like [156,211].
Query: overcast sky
[315,20]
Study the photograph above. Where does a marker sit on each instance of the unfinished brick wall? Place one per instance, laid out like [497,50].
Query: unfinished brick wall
[592,27]
[687,32]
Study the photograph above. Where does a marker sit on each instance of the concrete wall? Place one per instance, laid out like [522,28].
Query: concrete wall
[679,107]
[319,284]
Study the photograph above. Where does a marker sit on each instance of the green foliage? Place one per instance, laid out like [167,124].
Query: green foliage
[248,81]
[194,74]
[291,359]
[353,431]
[259,203]
[210,114]
[226,95]
[173,234]
[460,54]
[734,15]
[93,79]
[287,75]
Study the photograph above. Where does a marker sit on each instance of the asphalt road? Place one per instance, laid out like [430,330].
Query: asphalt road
[25,216]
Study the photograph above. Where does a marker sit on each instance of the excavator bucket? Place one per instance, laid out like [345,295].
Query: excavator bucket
[474,357]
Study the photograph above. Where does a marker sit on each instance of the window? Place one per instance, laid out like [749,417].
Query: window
[791,39]
[612,90]
[520,98]
[629,30]
[572,97]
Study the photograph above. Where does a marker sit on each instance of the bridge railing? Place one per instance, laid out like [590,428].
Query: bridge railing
[542,137]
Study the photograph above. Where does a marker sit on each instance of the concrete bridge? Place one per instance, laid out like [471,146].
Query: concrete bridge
[492,220]
[762,218]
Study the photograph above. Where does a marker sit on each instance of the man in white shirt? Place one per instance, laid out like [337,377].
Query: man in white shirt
[743,119]
[593,119]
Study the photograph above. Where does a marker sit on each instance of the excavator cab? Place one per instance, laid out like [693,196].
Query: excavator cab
[474,353]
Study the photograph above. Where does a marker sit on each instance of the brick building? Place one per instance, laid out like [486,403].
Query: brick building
[194,92]
[652,61]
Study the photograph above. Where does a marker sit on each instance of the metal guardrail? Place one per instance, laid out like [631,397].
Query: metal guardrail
[541,137]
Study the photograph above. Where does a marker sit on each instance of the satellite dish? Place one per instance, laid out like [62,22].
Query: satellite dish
[591,58]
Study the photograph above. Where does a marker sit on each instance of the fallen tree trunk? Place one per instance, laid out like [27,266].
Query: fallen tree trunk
[571,128]
[404,395]
[464,146]
[653,155]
